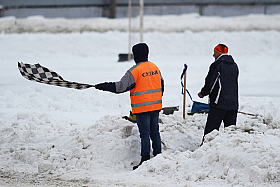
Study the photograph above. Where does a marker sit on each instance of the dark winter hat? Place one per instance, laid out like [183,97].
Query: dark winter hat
[140,52]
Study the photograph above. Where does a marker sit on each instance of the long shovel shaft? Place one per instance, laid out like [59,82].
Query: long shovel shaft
[184,100]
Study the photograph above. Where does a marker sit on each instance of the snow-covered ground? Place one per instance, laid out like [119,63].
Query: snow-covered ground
[53,136]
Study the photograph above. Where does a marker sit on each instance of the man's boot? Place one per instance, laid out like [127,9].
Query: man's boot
[143,159]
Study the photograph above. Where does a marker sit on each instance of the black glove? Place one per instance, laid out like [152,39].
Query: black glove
[106,86]
[100,86]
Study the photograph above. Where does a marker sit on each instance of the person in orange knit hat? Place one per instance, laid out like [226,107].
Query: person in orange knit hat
[221,84]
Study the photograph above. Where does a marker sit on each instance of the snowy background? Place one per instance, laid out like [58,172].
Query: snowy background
[53,136]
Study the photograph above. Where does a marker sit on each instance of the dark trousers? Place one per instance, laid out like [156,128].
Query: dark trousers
[215,118]
[148,127]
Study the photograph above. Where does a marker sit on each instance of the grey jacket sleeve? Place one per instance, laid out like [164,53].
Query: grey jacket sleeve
[126,83]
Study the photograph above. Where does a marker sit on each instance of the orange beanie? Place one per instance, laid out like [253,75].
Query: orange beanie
[221,48]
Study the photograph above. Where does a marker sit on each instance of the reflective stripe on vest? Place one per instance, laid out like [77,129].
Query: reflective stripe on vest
[146,104]
[147,94]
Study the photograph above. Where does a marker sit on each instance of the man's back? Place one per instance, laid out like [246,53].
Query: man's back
[225,91]
[147,93]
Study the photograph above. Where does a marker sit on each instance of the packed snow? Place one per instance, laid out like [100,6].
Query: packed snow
[54,136]
[172,23]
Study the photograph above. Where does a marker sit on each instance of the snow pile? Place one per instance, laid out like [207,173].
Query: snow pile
[177,23]
[53,136]
[240,155]
[247,154]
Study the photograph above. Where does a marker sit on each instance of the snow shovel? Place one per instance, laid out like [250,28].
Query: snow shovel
[197,107]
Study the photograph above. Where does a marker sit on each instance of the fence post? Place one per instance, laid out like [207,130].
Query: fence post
[112,9]
[141,2]
[1,11]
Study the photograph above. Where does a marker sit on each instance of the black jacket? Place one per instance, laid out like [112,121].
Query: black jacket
[221,83]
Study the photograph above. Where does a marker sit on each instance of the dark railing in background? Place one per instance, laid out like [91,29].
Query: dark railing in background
[118,8]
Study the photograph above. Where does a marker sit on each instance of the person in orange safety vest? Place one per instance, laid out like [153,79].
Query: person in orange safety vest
[146,86]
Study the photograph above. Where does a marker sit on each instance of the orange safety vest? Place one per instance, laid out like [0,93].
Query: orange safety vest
[147,94]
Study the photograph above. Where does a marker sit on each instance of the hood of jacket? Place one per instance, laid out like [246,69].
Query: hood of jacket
[226,59]
[140,52]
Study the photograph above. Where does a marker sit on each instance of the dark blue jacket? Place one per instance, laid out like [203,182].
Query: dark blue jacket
[221,83]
